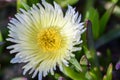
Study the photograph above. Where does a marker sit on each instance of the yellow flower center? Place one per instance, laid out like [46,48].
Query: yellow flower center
[49,39]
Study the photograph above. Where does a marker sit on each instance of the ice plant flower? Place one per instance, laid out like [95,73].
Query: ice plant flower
[44,37]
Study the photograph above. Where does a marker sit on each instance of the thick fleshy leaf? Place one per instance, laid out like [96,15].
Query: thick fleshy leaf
[1,43]
[88,76]
[89,4]
[93,56]
[116,10]
[89,35]
[64,3]
[22,4]
[93,16]
[105,18]
[108,76]
[90,42]
[87,54]
[76,64]
[114,1]
[1,38]
[25,4]
[83,60]
[72,74]
[95,73]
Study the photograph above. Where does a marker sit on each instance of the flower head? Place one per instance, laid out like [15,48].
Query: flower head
[44,37]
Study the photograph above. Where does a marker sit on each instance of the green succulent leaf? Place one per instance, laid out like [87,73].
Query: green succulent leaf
[93,16]
[72,74]
[105,18]
[65,3]
[83,60]
[93,75]
[109,72]
[76,64]
[87,55]
[22,4]
[88,76]
[108,76]
[1,42]
[114,1]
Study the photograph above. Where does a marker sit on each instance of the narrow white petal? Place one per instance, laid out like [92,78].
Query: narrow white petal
[40,76]
[35,73]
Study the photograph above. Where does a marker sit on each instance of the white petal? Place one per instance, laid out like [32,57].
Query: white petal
[35,73]
[40,76]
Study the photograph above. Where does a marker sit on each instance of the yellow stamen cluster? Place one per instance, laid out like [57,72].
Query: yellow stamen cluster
[49,39]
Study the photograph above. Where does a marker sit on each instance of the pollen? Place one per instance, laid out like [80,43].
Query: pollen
[49,39]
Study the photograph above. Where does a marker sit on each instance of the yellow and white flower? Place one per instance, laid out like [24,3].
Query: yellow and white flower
[44,37]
